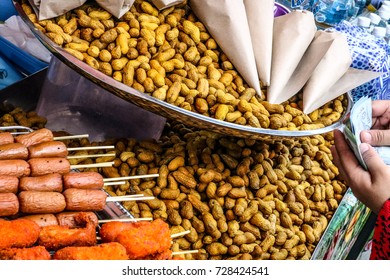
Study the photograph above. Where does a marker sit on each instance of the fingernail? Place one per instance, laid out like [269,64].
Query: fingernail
[364,147]
[365,137]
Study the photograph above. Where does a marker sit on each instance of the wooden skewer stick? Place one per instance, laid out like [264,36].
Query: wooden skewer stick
[90,156]
[185,252]
[89,148]
[131,177]
[102,164]
[114,183]
[128,198]
[70,137]
[179,234]
[125,220]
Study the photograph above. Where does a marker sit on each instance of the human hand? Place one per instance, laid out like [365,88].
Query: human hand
[370,187]
[379,134]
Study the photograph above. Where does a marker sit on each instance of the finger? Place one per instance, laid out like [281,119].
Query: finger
[374,162]
[380,107]
[375,137]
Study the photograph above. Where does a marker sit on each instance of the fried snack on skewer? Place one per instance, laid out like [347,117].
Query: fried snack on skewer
[32,253]
[165,255]
[140,239]
[42,135]
[18,233]
[103,251]
[57,236]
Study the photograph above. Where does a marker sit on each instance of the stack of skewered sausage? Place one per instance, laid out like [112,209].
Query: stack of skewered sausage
[36,177]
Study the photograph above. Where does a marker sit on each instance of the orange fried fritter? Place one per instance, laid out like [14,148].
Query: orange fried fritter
[18,233]
[109,231]
[57,236]
[166,255]
[145,238]
[32,253]
[104,251]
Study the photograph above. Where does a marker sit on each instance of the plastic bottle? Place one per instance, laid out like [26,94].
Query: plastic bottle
[379,20]
[332,12]
[360,5]
[364,22]
[379,32]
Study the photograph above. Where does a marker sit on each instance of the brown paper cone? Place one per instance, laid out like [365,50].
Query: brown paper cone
[331,68]
[350,80]
[260,14]
[162,4]
[46,9]
[116,8]
[227,22]
[313,55]
[292,34]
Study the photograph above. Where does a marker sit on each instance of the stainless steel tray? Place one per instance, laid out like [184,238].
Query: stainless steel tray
[165,109]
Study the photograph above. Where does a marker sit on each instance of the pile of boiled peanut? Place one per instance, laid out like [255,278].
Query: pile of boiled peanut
[239,198]
[170,55]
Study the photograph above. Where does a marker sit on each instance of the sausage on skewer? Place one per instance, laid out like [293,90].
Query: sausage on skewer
[6,138]
[13,151]
[48,183]
[35,137]
[83,180]
[14,167]
[48,149]
[44,166]
[36,202]
[84,200]
[9,184]
[42,220]
[9,204]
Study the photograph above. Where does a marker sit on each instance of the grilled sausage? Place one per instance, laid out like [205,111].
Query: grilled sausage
[83,180]
[6,138]
[84,200]
[34,202]
[46,183]
[44,166]
[42,219]
[9,204]
[68,218]
[14,167]
[48,149]
[13,151]
[35,137]
[9,184]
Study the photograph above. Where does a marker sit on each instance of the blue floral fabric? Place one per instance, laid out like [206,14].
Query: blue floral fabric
[368,53]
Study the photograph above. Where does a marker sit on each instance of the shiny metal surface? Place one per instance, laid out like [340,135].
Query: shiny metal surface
[165,109]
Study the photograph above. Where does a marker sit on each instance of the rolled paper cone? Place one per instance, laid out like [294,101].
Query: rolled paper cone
[313,55]
[53,8]
[292,36]
[350,80]
[331,68]
[260,14]
[116,8]
[162,4]
[227,22]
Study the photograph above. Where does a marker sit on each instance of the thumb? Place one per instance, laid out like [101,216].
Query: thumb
[376,137]
[374,162]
